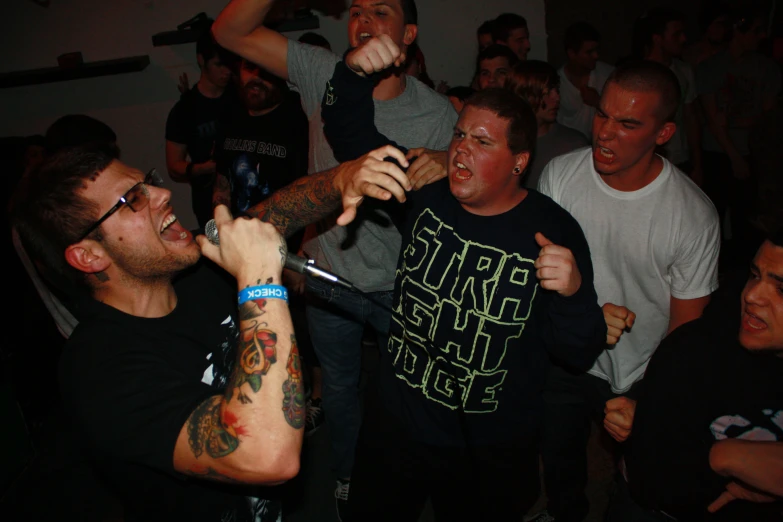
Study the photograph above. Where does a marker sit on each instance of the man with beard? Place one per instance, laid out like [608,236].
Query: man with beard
[706,436]
[262,145]
[408,112]
[142,377]
[539,84]
[654,238]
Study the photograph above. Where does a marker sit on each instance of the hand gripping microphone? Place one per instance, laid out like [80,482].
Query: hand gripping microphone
[292,262]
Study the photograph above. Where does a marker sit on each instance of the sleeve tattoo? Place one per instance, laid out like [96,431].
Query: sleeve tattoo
[306,200]
[212,427]
[293,390]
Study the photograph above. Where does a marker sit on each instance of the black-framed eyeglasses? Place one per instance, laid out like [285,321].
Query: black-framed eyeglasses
[137,198]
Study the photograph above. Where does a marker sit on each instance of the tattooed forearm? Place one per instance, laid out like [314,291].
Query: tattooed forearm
[221,193]
[306,200]
[213,429]
[293,389]
[257,353]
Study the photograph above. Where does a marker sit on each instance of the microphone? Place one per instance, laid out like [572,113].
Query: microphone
[293,262]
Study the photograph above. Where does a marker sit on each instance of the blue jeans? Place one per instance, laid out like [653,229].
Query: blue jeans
[337,318]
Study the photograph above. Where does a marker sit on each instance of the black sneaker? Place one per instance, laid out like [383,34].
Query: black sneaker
[314,416]
[341,498]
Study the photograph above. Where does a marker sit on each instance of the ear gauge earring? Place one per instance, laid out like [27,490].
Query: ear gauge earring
[517,170]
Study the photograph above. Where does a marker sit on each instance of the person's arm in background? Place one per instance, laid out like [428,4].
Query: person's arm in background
[347,108]
[755,467]
[683,311]
[178,166]
[240,29]
[349,112]
[177,150]
[694,272]
[253,433]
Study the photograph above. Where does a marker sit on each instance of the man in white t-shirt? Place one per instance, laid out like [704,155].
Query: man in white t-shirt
[661,34]
[582,78]
[654,240]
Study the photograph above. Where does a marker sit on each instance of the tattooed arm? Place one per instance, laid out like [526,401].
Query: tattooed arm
[312,198]
[253,433]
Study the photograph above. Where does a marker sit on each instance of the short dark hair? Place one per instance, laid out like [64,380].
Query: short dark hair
[50,213]
[462,92]
[650,24]
[522,128]
[75,130]
[496,51]
[531,79]
[649,76]
[410,15]
[485,27]
[316,39]
[505,23]
[579,33]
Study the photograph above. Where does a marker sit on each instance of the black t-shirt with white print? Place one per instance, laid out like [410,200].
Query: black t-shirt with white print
[130,383]
[701,387]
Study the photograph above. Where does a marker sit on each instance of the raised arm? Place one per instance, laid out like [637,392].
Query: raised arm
[253,433]
[315,197]
[239,28]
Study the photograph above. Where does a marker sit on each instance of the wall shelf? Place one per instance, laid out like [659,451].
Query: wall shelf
[301,22]
[86,70]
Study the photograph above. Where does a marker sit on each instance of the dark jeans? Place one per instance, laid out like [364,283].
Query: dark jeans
[394,476]
[337,318]
[571,403]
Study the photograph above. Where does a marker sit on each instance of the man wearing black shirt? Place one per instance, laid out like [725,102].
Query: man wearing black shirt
[707,440]
[192,125]
[261,144]
[491,281]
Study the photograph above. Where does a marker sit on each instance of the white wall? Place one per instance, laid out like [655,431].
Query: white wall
[135,105]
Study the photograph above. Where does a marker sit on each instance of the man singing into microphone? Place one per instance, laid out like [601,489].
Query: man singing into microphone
[183,403]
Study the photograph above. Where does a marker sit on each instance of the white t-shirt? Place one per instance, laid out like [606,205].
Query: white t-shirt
[573,111]
[648,245]
[676,148]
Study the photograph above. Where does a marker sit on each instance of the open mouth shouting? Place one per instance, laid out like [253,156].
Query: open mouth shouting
[460,172]
[172,230]
[752,323]
[603,155]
